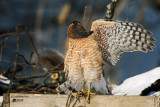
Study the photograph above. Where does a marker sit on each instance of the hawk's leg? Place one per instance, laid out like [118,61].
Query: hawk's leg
[82,92]
[89,93]
[85,93]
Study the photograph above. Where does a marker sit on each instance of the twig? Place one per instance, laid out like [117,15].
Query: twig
[39,20]
[12,33]
[17,50]
[22,63]
[39,15]
[76,99]
[110,10]
[2,47]
[24,59]
[84,17]
[52,69]
[84,14]
[49,74]
[44,89]
[69,99]
[24,68]
[127,14]
[88,11]
[31,55]
[16,57]
[34,76]
[29,35]
[28,63]
[28,77]
[120,7]
[64,13]
[1,53]
[42,83]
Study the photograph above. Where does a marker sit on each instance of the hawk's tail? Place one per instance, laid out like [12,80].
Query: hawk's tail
[70,85]
[64,87]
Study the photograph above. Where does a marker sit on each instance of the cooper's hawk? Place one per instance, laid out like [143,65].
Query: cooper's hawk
[107,40]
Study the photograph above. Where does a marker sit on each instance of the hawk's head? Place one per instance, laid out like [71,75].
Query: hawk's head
[76,30]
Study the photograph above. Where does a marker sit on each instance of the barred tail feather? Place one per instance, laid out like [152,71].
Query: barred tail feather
[70,84]
[64,87]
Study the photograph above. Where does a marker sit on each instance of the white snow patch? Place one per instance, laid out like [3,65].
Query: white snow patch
[154,93]
[4,80]
[136,84]
[1,100]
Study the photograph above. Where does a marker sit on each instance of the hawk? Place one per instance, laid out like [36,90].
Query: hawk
[106,41]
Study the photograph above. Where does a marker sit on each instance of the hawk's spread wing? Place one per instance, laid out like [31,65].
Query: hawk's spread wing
[116,37]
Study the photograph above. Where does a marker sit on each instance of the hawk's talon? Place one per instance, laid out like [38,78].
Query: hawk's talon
[85,93]
[76,95]
[88,96]
[82,92]
[89,93]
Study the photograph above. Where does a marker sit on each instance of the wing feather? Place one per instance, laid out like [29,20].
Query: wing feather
[116,37]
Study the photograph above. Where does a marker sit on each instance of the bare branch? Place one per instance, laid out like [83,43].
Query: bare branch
[84,16]
[30,37]
[16,57]
[1,53]
[110,10]
[25,60]
[49,74]
[28,77]
[12,62]
[13,33]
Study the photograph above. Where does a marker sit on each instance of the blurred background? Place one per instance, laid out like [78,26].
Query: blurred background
[47,21]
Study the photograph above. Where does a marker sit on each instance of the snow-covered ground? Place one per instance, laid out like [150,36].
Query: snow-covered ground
[135,85]
[4,80]
[1,100]
[154,93]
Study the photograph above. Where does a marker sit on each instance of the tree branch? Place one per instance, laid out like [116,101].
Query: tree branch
[110,10]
